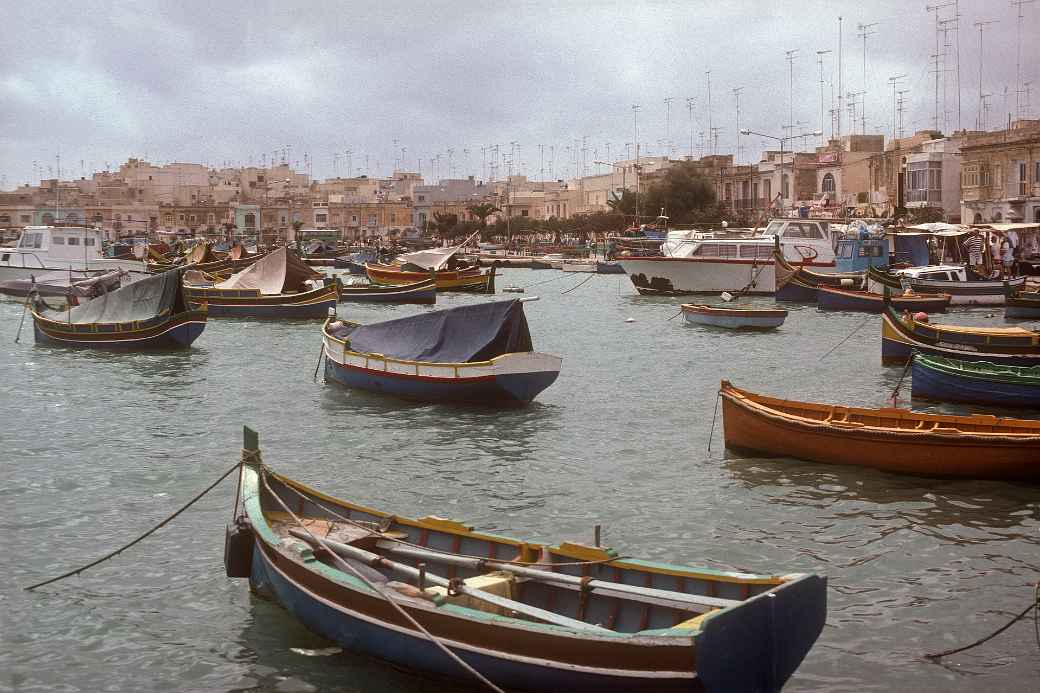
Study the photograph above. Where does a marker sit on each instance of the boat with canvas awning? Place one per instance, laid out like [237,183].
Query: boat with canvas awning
[442,263]
[150,313]
[524,614]
[480,353]
[278,285]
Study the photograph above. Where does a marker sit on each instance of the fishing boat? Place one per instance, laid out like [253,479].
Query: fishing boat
[480,353]
[279,285]
[71,285]
[798,284]
[943,279]
[43,249]
[147,314]
[525,615]
[735,318]
[829,298]
[976,382]
[735,260]
[419,292]
[1021,304]
[980,446]
[416,266]
[901,335]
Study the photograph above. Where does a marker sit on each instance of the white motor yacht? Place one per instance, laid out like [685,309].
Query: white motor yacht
[52,248]
[738,260]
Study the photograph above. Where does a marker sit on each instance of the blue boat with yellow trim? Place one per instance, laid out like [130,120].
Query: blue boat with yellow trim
[975,382]
[525,615]
[147,314]
[278,285]
[479,354]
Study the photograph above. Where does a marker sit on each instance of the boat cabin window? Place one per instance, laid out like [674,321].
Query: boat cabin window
[935,275]
[803,231]
[774,228]
[31,240]
[870,250]
[58,240]
[846,249]
[760,252]
[716,250]
[73,240]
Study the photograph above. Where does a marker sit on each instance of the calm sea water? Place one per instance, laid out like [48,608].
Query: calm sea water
[96,448]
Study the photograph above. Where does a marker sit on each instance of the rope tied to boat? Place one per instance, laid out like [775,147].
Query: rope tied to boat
[899,383]
[1034,607]
[77,571]
[389,600]
[567,291]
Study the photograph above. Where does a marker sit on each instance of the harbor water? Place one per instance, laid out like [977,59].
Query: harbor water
[95,448]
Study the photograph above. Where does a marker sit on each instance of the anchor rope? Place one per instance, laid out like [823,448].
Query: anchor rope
[1034,606]
[591,275]
[245,458]
[715,413]
[358,574]
[847,337]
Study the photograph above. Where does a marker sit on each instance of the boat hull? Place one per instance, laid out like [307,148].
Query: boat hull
[734,319]
[503,389]
[420,292]
[905,452]
[982,293]
[249,303]
[795,291]
[866,302]
[665,276]
[945,385]
[481,282]
[898,344]
[178,332]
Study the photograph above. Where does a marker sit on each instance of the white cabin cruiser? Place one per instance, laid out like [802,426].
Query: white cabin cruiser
[697,262]
[53,248]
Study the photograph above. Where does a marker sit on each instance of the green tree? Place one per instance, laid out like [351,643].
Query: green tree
[683,192]
[624,203]
[445,224]
[482,211]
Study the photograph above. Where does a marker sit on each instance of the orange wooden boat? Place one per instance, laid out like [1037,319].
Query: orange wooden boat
[979,446]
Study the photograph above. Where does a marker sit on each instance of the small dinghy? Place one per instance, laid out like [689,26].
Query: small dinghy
[76,285]
[478,353]
[424,292]
[525,614]
[829,298]
[734,318]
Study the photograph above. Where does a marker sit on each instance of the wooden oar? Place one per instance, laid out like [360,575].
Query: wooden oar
[680,600]
[374,559]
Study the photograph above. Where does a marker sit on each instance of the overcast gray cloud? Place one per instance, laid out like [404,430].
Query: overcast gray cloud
[216,82]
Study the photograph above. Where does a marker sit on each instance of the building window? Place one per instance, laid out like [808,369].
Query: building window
[48,219]
[767,187]
[191,219]
[785,186]
[26,218]
[924,181]
[250,220]
[371,219]
[167,219]
[180,218]
[5,218]
[827,184]
[321,218]
[422,198]
[523,212]
[211,218]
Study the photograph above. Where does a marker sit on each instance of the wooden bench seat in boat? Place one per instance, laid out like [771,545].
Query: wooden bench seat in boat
[499,583]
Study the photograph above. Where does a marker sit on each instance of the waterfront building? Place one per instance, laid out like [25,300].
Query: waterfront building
[1000,175]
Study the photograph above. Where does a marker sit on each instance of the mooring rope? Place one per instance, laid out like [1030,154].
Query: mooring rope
[25,309]
[1034,606]
[431,549]
[715,413]
[562,275]
[899,384]
[591,275]
[390,600]
[77,571]
[318,364]
[858,328]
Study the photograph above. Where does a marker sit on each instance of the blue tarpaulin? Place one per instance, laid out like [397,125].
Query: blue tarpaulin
[477,332]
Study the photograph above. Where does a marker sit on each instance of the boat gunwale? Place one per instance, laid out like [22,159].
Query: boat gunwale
[979,370]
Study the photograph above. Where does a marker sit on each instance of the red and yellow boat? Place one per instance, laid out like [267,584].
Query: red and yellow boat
[979,446]
[470,279]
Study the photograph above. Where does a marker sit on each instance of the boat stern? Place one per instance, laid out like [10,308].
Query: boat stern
[758,645]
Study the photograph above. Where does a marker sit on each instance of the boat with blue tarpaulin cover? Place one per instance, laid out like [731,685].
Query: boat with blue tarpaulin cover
[480,353]
[526,615]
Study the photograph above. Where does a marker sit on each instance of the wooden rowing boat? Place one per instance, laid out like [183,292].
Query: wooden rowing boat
[800,285]
[734,318]
[424,292]
[980,446]
[526,615]
[977,382]
[472,279]
[829,298]
[969,292]
[1021,304]
[901,335]
[478,354]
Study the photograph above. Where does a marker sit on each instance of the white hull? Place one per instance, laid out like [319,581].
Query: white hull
[976,298]
[700,276]
[734,322]
[15,270]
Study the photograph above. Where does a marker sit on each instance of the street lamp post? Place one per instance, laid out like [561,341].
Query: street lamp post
[781,140]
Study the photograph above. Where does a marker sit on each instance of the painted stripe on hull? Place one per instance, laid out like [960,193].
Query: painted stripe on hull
[734,322]
[506,389]
[353,632]
[179,336]
[932,384]
[307,310]
[895,351]
[795,292]
[1027,312]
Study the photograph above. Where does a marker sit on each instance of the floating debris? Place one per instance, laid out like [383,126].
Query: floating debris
[323,652]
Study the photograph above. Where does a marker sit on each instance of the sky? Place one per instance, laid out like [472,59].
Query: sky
[446,88]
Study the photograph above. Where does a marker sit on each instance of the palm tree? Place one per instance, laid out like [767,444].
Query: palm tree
[482,211]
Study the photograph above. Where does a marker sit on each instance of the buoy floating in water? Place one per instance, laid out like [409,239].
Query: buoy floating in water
[630,319]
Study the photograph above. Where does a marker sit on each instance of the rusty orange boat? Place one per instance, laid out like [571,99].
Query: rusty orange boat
[979,446]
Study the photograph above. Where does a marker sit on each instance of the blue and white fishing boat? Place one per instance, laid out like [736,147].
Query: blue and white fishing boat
[480,353]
